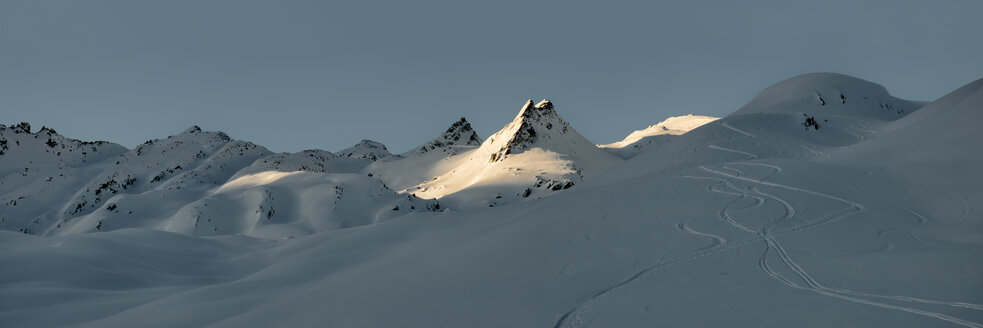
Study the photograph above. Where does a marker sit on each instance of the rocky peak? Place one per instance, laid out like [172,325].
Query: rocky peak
[22,127]
[540,109]
[196,133]
[366,149]
[48,131]
[534,123]
[458,134]
[194,129]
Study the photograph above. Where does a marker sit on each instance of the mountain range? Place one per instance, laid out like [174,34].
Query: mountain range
[824,201]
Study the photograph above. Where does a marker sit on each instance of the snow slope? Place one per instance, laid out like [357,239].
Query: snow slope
[753,220]
[146,185]
[657,134]
[431,159]
[38,169]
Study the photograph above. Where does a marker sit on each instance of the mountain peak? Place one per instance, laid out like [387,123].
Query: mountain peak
[192,130]
[534,123]
[196,133]
[537,151]
[458,134]
[22,127]
[366,149]
[531,109]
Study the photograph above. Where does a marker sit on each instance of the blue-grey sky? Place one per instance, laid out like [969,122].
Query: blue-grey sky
[292,75]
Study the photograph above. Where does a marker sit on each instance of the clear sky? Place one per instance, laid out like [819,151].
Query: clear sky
[292,75]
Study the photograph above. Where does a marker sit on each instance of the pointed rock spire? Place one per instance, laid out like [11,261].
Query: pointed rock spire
[458,134]
[534,123]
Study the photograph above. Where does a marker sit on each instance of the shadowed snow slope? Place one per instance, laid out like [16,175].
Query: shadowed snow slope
[758,219]
[136,188]
[39,171]
[943,131]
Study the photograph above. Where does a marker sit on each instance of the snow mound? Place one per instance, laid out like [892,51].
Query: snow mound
[656,134]
[311,160]
[675,125]
[288,204]
[829,94]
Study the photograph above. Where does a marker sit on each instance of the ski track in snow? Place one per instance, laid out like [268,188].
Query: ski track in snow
[966,210]
[752,156]
[815,153]
[863,127]
[812,282]
[717,240]
[574,317]
[921,218]
[859,137]
[726,125]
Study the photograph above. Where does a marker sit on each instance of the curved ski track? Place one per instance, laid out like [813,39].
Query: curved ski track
[574,317]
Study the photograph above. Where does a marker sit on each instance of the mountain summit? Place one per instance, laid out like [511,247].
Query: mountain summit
[539,126]
[458,134]
[829,94]
[535,123]
[536,152]
[366,149]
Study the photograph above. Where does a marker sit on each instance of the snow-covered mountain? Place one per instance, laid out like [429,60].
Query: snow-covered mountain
[459,135]
[205,183]
[433,158]
[532,156]
[39,170]
[196,182]
[860,210]
[151,181]
[366,149]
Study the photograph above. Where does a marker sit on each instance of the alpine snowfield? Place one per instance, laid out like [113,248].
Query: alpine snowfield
[823,202]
